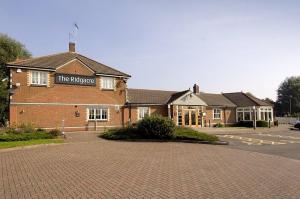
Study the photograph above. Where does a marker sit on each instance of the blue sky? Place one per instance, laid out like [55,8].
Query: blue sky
[224,46]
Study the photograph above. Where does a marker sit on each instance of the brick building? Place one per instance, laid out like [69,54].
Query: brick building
[70,91]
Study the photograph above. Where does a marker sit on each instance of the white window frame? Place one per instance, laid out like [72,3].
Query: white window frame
[38,79]
[141,110]
[267,113]
[107,83]
[97,114]
[215,112]
[244,110]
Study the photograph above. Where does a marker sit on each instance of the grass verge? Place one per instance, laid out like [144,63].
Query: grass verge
[4,145]
[190,134]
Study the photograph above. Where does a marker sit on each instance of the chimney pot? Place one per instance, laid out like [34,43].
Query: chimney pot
[72,47]
[196,89]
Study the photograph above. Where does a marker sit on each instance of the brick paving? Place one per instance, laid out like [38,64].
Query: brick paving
[91,168]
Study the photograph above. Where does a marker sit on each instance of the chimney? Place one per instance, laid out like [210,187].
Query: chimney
[196,89]
[71,47]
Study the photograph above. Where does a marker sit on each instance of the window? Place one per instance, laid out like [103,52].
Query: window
[266,114]
[244,114]
[247,115]
[217,113]
[179,117]
[98,114]
[39,78]
[240,116]
[143,112]
[107,83]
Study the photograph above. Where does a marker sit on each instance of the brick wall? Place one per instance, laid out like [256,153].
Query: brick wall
[59,100]
[228,116]
[154,109]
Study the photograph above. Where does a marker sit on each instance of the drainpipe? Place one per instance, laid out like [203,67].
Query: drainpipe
[169,111]
[225,119]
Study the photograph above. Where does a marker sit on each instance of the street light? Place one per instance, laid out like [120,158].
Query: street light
[254,118]
[291,105]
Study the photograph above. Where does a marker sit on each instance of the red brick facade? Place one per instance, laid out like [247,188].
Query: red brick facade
[228,116]
[55,105]
[68,106]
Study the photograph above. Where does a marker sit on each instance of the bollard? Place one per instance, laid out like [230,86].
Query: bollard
[63,128]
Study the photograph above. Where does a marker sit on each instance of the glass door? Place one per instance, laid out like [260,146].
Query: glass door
[193,117]
[186,118]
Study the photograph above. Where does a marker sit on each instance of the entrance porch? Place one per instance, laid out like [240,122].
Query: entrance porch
[187,110]
[191,116]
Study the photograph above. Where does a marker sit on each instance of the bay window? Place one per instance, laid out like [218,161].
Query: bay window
[266,114]
[244,114]
[262,113]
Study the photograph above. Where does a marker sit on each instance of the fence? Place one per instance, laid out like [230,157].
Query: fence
[287,120]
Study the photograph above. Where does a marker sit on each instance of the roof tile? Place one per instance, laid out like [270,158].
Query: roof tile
[56,60]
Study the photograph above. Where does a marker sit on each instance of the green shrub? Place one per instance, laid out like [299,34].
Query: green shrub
[11,130]
[156,126]
[55,132]
[25,136]
[219,125]
[26,128]
[297,125]
[40,130]
[261,123]
[125,133]
[183,133]
[244,124]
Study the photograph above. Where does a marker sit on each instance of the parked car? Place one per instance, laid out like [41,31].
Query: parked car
[297,125]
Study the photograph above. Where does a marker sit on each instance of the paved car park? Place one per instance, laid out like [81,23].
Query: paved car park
[280,140]
[89,167]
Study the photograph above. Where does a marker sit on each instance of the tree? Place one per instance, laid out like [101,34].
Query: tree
[288,96]
[10,50]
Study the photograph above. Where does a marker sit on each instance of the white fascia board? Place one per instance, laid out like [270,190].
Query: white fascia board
[106,75]
[31,68]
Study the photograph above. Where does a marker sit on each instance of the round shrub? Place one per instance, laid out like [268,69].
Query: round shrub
[297,125]
[156,126]
[55,132]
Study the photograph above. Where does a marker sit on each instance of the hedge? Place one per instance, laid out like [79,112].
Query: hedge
[8,137]
[259,123]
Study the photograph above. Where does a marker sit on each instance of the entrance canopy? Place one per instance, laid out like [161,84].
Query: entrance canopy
[187,99]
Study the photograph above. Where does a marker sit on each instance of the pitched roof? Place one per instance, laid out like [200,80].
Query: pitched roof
[257,101]
[216,100]
[51,62]
[144,96]
[243,99]
[177,95]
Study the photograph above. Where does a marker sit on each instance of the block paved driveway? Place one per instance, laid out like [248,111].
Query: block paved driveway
[281,141]
[88,167]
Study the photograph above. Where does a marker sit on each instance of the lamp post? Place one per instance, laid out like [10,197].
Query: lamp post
[291,105]
[254,118]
